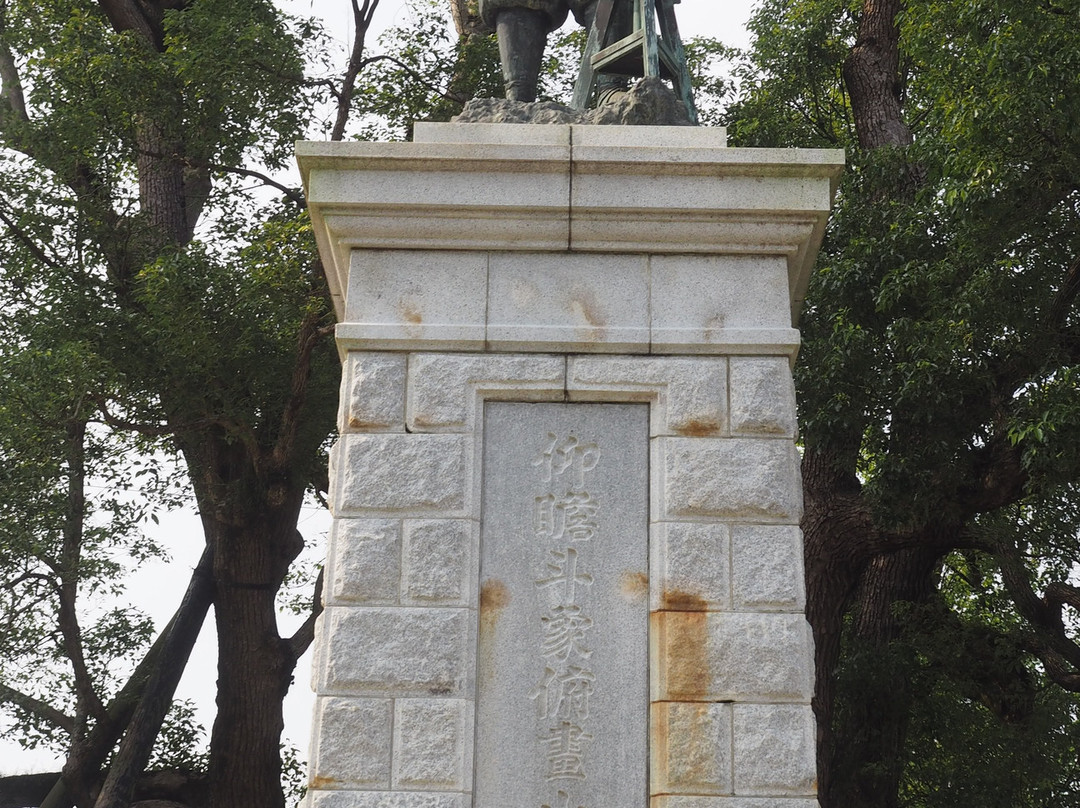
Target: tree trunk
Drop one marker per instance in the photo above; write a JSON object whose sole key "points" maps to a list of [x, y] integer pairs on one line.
{"points": [[868, 763], [255, 540]]}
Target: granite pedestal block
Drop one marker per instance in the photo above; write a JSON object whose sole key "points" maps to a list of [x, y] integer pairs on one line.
{"points": [[566, 568]]}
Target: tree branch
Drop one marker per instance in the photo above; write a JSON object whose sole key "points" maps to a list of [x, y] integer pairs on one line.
{"points": [[300, 641], [311, 334], [41, 709], [361, 22], [292, 194], [88, 700], [33, 246]]}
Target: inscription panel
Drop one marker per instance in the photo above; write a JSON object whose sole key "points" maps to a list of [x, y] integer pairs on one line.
{"points": [[562, 711]]}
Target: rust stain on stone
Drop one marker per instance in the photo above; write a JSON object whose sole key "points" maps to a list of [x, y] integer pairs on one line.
{"points": [[361, 425], [323, 782], [698, 428], [683, 639], [410, 314], [584, 306], [494, 597], [677, 600], [634, 586]]}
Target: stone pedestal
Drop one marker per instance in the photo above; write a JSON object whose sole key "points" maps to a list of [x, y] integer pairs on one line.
{"points": [[565, 569]]}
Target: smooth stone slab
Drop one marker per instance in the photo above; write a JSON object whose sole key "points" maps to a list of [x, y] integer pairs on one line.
{"points": [[562, 714]]}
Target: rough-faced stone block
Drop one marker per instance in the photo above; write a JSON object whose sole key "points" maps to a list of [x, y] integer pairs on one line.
{"points": [[365, 563], [691, 569], [372, 392], [767, 567], [385, 799], [674, 801], [700, 300], [351, 743], [443, 388], [691, 748], [690, 394], [762, 396], [717, 656], [399, 651], [399, 298], [727, 478], [404, 474], [774, 749], [433, 743], [438, 561], [568, 302]]}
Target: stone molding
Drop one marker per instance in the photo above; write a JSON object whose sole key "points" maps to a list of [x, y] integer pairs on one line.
{"points": [[591, 189]]}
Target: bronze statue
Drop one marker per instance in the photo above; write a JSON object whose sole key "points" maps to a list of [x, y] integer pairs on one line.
{"points": [[522, 27]]}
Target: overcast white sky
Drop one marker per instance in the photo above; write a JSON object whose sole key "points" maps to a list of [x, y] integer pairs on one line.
{"points": [[158, 588]]}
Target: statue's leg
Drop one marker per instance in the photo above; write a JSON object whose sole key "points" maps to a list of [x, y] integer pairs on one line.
{"points": [[522, 35]]}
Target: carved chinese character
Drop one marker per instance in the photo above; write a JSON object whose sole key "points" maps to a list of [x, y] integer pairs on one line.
{"points": [[564, 633], [564, 572], [564, 694], [569, 455], [566, 755], [572, 515]]}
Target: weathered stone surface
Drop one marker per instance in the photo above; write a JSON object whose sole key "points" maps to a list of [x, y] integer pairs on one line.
{"points": [[767, 567], [648, 102], [500, 110], [562, 655], [433, 742], [690, 394], [437, 568], [717, 656], [673, 801], [691, 569], [691, 748], [404, 474], [385, 799], [728, 478], [401, 299], [774, 749], [351, 743], [568, 302], [365, 564], [698, 300], [372, 393], [762, 396], [444, 388], [398, 651]]}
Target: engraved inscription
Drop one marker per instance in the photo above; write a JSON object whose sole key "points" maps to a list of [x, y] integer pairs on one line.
{"points": [[562, 700], [564, 521]]}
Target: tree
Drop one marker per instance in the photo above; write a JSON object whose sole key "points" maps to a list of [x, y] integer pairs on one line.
{"points": [[938, 385], [156, 305]]}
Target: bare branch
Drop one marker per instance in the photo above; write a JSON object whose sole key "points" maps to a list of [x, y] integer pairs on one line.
{"points": [[305, 635], [361, 22], [292, 194]]}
